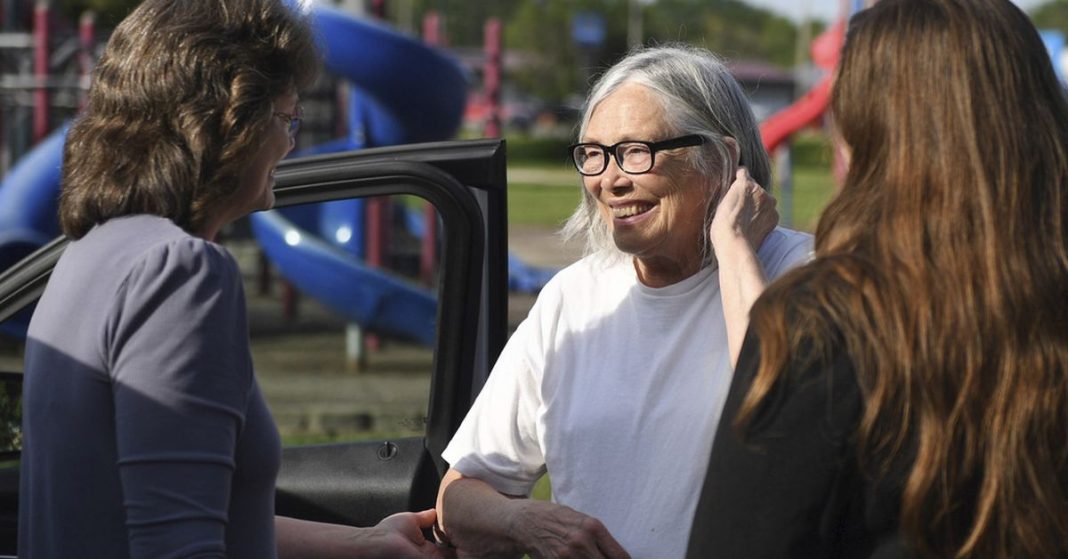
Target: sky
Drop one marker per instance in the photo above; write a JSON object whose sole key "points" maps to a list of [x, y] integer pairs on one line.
{"points": [[830, 9]]}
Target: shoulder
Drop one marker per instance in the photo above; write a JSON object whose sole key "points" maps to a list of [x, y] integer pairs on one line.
{"points": [[166, 248], [188, 256], [584, 282], [137, 240], [151, 254], [592, 266], [576, 295], [816, 386], [814, 314], [580, 274], [784, 249]]}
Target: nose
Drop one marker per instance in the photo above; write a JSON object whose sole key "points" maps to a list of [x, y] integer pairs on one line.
{"points": [[614, 180], [292, 143]]}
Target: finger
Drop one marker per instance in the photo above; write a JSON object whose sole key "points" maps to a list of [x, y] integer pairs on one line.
{"points": [[739, 187], [426, 518], [606, 544], [610, 548], [582, 539], [442, 553]]}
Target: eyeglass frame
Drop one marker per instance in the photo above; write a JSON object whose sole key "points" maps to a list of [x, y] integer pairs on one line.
{"points": [[292, 120], [612, 151]]}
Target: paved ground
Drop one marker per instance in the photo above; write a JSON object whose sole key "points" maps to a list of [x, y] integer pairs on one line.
{"points": [[316, 393], [542, 247]]}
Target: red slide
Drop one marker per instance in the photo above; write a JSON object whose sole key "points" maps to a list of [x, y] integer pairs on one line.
{"points": [[807, 110]]}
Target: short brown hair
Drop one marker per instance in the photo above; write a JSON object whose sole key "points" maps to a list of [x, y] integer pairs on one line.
{"points": [[179, 102]]}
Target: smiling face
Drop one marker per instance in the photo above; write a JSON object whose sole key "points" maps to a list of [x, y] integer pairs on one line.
{"points": [[256, 189], [658, 216], [257, 183]]}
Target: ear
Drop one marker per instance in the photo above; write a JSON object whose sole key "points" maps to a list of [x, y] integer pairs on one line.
{"points": [[735, 153]]}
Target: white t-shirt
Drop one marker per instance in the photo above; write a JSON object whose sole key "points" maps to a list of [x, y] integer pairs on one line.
{"points": [[615, 389]]}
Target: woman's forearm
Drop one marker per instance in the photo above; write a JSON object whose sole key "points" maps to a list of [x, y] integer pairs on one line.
{"points": [[741, 281], [481, 522], [475, 517], [744, 218], [399, 536]]}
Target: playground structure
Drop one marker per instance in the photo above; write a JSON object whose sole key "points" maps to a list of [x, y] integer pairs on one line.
{"points": [[811, 107], [332, 252]]}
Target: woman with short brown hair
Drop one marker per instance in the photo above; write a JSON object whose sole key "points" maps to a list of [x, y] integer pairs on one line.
{"points": [[145, 431]]}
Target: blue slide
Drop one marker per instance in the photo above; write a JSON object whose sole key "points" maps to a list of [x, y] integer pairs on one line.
{"points": [[403, 92], [28, 200], [28, 220]]}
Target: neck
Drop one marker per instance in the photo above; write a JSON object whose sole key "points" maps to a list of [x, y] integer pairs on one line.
{"points": [[208, 232], [662, 272]]}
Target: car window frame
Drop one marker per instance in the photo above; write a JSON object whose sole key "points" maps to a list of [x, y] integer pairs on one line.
{"points": [[466, 181]]}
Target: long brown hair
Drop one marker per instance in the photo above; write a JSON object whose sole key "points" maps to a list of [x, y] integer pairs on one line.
{"points": [[179, 102], [941, 269]]}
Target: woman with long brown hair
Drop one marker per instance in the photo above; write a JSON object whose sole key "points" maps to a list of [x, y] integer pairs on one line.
{"points": [[906, 393]]}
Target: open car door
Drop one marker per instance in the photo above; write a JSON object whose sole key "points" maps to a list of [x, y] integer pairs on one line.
{"points": [[373, 322]]}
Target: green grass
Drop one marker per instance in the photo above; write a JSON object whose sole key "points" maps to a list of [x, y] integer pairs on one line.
{"points": [[813, 188], [543, 490], [541, 205]]}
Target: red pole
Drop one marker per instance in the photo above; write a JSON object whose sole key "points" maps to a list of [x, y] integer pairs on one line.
{"points": [[377, 211], [432, 29], [429, 246], [491, 77], [40, 69], [87, 35], [378, 9]]}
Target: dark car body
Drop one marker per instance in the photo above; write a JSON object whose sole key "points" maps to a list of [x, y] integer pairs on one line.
{"points": [[361, 482]]}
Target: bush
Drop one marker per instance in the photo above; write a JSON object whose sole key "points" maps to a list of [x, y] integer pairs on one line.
{"points": [[529, 150], [811, 149]]}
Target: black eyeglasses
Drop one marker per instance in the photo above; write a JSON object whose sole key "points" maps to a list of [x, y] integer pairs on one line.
{"points": [[633, 157], [292, 120]]}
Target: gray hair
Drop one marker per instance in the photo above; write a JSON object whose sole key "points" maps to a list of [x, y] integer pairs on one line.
{"points": [[699, 96]]}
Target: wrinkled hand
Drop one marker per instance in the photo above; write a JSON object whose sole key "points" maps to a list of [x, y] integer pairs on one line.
{"points": [[554, 531], [400, 536], [745, 211]]}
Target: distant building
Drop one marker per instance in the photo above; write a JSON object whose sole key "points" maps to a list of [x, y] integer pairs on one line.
{"points": [[770, 89]]}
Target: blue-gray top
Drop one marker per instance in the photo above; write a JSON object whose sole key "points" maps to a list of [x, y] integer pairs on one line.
{"points": [[144, 431]]}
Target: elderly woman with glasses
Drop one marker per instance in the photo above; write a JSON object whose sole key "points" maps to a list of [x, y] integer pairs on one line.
{"points": [[614, 383]]}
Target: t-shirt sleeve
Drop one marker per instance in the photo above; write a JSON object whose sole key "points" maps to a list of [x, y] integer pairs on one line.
{"points": [[783, 250], [498, 440], [785, 489], [177, 344]]}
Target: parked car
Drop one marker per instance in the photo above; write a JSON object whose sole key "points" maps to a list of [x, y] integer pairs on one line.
{"points": [[359, 482]]}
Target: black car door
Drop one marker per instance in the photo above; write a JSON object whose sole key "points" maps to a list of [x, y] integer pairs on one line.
{"points": [[341, 462]]}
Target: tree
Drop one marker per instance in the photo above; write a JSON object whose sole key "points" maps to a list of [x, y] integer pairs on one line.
{"points": [[555, 65], [108, 12], [463, 19], [558, 67], [1051, 15], [730, 28]]}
